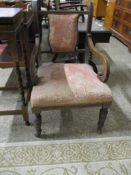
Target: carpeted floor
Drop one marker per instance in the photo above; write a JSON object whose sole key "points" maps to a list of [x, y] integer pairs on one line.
{"points": [[70, 145], [108, 156]]}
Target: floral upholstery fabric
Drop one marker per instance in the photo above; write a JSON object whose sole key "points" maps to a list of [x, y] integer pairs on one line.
{"points": [[63, 32], [68, 85]]}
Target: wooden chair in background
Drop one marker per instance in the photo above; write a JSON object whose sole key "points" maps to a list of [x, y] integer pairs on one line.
{"points": [[11, 53], [17, 36], [76, 5]]}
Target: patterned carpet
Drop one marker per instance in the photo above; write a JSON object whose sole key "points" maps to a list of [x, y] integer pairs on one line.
{"points": [[70, 145], [87, 157]]}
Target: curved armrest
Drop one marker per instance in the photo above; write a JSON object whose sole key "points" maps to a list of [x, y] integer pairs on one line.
{"points": [[102, 58]]}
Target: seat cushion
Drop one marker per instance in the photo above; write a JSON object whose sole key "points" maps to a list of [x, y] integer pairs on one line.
{"points": [[68, 85]]}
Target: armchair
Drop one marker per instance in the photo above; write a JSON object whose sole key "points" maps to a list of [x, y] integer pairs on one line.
{"points": [[62, 85]]}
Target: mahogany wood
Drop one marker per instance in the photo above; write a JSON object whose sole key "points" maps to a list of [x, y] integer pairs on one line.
{"points": [[109, 13], [121, 24], [99, 8]]}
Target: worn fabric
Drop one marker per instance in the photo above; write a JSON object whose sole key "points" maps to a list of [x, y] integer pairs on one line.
{"points": [[63, 32], [68, 85]]}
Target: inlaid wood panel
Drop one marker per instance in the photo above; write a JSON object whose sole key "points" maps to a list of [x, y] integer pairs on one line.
{"points": [[126, 31], [99, 8], [127, 17], [109, 13], [116, 25], [121, 23]]}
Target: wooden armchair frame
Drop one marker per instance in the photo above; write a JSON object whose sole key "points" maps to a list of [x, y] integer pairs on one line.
{"points": [[103, 76]]}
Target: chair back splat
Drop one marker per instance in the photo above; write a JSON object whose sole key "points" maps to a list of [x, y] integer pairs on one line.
{"points": [[62, 85], [63, 39]]}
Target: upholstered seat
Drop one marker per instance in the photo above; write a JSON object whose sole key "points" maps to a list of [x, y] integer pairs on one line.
{"points": [[68, 85]]}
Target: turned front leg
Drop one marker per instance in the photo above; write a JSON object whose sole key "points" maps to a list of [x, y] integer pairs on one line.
{"points": [[102, 118], [38, 122]]}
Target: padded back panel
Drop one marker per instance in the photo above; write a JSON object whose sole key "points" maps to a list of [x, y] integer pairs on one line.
{"points": [[63, 32]]}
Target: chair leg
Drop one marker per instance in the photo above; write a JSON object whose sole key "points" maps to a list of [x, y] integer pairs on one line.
{"points": [[83, 18], [26, 115], [27, 74], [38, 122], [37, 62], [54, 58], [21, 89], [102, 118], [20, 83]]}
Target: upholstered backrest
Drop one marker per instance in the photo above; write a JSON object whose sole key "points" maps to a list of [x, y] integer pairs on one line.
{"points": [[63, 32]]}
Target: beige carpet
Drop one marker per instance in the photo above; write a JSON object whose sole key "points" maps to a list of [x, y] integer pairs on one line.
{"points": [[70, 145], [74, 157]]}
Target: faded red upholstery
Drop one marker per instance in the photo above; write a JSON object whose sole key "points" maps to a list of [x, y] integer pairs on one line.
{"points": [[2, 48], [63, 33], [68, 85], [5, 53], [6, 57]]}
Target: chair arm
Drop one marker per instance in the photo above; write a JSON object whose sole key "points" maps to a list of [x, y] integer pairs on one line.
{"points": [[102, 58]]}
